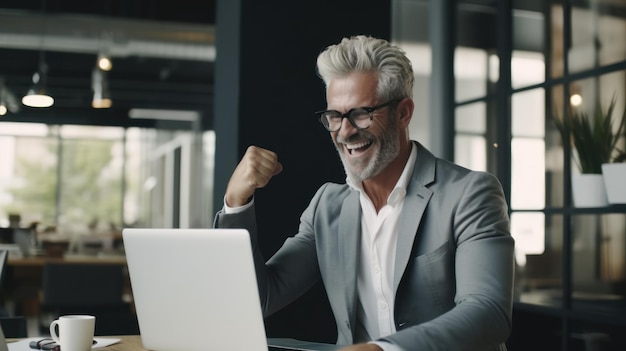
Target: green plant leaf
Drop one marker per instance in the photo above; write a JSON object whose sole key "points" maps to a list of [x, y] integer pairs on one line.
{"points": [[593, 138]]}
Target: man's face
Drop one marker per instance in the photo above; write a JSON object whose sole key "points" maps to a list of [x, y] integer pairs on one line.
{"points": [[364, 153]]}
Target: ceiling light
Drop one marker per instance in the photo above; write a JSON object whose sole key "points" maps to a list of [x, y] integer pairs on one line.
{"points": [[37, 96], [104, 62], [100, 86], [8, 102], [576, 100], [3, 102]]}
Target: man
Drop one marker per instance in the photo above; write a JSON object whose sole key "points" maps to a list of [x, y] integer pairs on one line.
{"points": [[414, 252]]}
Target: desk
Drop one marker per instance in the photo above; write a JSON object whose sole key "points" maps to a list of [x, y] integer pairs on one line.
{"points": [[22, 283], [133, 343], [127, 343]]}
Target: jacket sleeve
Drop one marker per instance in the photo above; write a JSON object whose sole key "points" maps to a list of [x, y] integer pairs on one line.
{"points": [[289, 273]]}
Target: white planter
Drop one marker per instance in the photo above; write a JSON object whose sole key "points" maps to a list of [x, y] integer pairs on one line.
{"points": [[588, 190], [615, 182]]}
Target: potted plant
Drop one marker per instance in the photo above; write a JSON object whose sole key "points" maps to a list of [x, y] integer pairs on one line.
{"points": [[614, 173], [595, 143]]}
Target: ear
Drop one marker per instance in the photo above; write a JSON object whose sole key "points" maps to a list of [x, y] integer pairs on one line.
{"points": [[405, 111]]}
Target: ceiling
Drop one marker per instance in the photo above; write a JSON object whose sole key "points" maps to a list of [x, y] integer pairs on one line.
{"points": [[162, 52]]}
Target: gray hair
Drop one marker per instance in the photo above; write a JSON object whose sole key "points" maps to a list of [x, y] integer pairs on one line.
{"points": [[367, 54]]}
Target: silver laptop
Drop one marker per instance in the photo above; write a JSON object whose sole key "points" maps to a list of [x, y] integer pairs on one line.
{"points": [[3, 341], [195, 290]]}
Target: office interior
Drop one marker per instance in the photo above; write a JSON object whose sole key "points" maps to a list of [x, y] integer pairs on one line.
{"points": [[193, 84]]}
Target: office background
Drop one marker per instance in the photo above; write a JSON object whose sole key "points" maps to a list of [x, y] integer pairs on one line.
{"points": [[194, 83]]}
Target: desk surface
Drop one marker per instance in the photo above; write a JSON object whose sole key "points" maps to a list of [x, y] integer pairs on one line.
{"points": [[133, 343], [127, 343]]}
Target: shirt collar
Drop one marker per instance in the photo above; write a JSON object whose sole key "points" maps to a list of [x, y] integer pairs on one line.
{"points": [[399, 191]]}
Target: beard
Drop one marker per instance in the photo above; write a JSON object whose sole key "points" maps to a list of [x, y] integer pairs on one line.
{"points": [[387, 149]]}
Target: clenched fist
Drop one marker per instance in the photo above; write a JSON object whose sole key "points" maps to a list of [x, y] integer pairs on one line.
{"points": [[254, 171]]}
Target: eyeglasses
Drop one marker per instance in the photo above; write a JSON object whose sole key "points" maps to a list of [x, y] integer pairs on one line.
{"points": [[359, 117]]}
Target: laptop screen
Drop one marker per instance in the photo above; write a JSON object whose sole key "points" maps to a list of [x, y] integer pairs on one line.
{"points": [[193, 288]]}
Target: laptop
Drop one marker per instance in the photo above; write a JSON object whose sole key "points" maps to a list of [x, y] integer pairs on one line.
{"points": [[3, 341], [195, 290]]}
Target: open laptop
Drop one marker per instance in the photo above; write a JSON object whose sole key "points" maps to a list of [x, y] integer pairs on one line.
{"points": [[3, 341], [195, 290]]}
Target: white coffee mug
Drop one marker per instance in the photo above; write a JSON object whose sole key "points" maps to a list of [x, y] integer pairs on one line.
{"points": [[75, 332]]}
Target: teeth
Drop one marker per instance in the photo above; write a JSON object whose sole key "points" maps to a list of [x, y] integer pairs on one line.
{"points": [[352, 147], [356, 146]]}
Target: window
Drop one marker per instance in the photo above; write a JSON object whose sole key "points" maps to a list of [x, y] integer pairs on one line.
{"points": [[517, 66], [75, 180]]}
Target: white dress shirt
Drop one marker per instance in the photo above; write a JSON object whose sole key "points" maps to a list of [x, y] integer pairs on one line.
{"points": [[379, 236]]}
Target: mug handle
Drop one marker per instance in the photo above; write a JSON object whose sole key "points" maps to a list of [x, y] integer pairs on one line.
{"points": [[53, 331]]}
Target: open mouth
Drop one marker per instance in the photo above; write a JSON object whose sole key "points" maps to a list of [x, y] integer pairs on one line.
{"points": [[358, 148]]}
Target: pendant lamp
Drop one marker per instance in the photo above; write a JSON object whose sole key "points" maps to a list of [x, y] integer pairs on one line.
{"points": [[37, 96], [100, 86], [3, 101]]}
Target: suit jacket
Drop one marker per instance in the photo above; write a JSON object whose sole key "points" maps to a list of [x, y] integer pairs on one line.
{"points": [[454, 262]]}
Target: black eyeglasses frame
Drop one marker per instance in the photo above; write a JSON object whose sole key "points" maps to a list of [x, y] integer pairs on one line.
{"points": [[368, 109]]}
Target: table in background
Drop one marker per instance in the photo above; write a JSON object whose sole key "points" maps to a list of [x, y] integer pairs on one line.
{"points": [[23, 276]]}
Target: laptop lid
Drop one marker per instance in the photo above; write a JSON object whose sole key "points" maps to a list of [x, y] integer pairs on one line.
{"points": [[195, 289], [3, 341]]}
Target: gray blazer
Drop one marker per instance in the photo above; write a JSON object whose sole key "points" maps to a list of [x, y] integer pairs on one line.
{"points": [[454, 263]]}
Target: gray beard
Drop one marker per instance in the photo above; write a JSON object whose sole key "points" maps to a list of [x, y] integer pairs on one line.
{"points": [[388, 150]]}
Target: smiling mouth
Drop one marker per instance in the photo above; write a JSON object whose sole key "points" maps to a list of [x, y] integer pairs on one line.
{"points": [[357, 148]]}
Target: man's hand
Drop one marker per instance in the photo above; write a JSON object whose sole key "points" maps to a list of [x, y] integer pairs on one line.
{"points": [[361, 347], [255, 170]]}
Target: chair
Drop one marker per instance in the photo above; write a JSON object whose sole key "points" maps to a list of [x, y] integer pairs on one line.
{"points": [[12, 326], [88, 288], [4, 255], [6, 235]]}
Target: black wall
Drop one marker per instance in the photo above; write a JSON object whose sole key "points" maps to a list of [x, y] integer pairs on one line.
{"points": [[266, 93]]}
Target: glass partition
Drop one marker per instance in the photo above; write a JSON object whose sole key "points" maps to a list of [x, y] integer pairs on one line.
{"points": [[74, 181], [539, 256], [598, 30]]}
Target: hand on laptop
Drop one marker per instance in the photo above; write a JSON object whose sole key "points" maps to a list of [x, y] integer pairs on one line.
{"points": [[255, 170]]}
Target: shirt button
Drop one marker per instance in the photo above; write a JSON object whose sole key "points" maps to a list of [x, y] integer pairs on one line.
{"points": [[376, 269]]}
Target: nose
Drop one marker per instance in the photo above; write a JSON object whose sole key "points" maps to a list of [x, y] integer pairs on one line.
{"points": [[346, 129]]}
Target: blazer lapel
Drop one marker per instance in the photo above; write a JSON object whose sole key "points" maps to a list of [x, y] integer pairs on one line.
{"points": [[415, 202], [350, 241]]}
